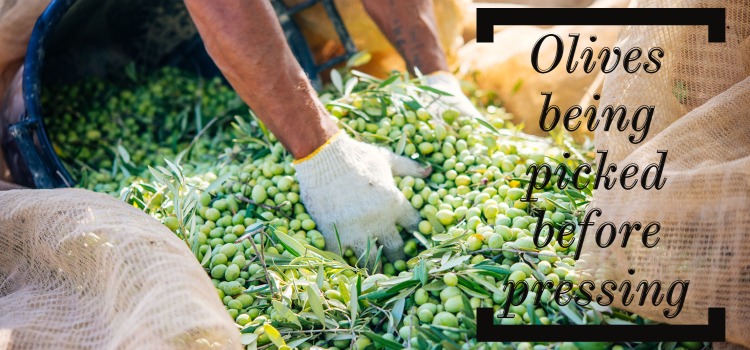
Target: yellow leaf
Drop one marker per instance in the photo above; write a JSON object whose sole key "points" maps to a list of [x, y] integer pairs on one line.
{"points": [[274, 335]]}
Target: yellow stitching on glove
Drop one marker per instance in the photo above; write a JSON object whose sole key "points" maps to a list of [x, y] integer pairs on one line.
{"points": [[316, 151]]}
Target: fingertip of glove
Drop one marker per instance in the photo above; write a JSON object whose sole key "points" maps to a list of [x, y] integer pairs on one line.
{"points": [[405, 166], [409, 218], [423, 171], [395, 255], [427, 170]]}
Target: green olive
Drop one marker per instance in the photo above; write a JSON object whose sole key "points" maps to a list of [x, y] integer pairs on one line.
{"points": [[232, 272], [171, 222], [445, 319], [218, 271], [454, 304], [421, 296], [449, 292], [213, 214], [450, 279]]}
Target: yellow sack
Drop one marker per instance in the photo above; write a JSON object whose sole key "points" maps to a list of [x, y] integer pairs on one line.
{"points": [[324, 42], [470, 22], [503, 66]]}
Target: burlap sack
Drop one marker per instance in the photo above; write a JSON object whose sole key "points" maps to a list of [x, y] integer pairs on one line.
{"points": [[81, 270], [17, 18], [702, 98], [503, 66], [324, 42]]}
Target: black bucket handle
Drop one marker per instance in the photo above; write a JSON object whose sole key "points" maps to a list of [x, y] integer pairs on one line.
{"points": [[299, 45]]}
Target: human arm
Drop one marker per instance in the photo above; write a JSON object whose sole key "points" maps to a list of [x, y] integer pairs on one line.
{"points": [[245, 41], [411, 27], [346, 185]]}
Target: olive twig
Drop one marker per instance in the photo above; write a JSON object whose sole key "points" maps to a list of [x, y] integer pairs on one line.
{"points": [[276, 209], [260, 256]]}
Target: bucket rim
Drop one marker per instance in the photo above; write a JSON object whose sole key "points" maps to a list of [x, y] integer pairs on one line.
{"points": [[32, 85]]}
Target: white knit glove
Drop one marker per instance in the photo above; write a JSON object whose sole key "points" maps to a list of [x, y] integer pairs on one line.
{"points": [[350, 184], [446, 82]]}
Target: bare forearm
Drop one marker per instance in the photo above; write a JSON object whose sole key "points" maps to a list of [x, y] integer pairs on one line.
{"points": [[410, 26], [245, 40]]}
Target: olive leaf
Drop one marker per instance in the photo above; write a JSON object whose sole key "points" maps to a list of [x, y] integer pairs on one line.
{"points": [[354, 299], [359, 59], [350, 108], [394, 290], [435, 286], [572, 314], [437, 226], [484, 283], [206, 258], [494, 271], [313, 297], [337, 81], [388, 344], [293, 344], [290, 244], [401, 144], [365, 76], [471, 288], [468, 310], [455, 261], [320, 279], [398, 310], [350, 85], [420, 273], [389, 80], [286, 313], [434, 90], [248, 338], [532, 315], [487, 124]]}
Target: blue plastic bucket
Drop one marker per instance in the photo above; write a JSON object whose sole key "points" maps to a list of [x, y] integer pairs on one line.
{"points": [[74, 39]]}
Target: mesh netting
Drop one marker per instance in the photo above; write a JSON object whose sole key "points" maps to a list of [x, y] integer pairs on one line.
{"points": [[82, 270], [701, 97]]}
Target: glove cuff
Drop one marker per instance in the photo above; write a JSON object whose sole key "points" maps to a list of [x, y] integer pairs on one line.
{"points": [[319, 149]]}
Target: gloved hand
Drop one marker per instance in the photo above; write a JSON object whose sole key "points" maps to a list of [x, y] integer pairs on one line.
{"points": [[446, 82], [350, 184]]}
